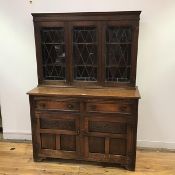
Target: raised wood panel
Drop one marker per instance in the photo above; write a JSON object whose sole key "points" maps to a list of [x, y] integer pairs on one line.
{"points": [[68, 142], [106, 135], [58, 124], [107, 127], [48, 141], [119, 159], [55, 115], [117, 146], [96, 144]]}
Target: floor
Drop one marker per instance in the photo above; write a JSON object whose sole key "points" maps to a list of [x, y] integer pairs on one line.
{"points": [[16, 159]]}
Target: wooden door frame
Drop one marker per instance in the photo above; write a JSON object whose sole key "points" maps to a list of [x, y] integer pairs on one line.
{"points": [[106, 157], [58, 153]]}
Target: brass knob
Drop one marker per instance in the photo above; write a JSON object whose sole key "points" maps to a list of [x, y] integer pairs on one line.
{"points": [[69, 106], [123, 108], [78, 132]]}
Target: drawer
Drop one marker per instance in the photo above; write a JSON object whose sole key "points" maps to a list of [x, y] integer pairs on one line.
{"points": [[119, 106], [53, 104]]}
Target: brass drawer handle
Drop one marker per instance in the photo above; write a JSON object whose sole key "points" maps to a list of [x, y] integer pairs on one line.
{"points": [[70, 106], [78, 132], [123, 108]]}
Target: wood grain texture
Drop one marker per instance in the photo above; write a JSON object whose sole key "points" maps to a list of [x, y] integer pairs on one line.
{"points": [[76, 112], [101, 21], [86, 92], [83, 134], [16, 159]]}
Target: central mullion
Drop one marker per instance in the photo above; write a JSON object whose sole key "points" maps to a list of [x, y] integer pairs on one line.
{"points": [[102, 52], [69, 53]]}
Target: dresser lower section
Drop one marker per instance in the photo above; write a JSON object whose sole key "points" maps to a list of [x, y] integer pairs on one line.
{"points": [[91, 129]]}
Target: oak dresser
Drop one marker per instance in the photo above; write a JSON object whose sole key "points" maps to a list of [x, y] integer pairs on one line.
{"points": [[86, 104]]}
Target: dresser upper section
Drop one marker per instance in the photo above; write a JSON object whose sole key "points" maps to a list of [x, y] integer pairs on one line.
{"points": [[87, 49]]}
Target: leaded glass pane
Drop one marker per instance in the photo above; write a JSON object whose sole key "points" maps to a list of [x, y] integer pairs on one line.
{"points": [[118, 54], [85, 53], [53, 53]]}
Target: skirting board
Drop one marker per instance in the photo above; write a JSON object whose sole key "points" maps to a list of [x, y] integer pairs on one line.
{"points": [[156, 144], [140, 143], [17, 136]]}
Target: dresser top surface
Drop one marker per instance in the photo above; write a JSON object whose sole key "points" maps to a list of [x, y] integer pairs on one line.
{"points": [[86, 92]]}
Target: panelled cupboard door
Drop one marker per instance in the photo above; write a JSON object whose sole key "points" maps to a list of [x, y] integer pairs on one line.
{"points": [[106, 139], [119, 52], [85, 52], [51, 51], [59, 135]]}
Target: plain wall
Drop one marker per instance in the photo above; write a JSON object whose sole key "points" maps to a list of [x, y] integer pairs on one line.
{"points": [[155, 69]]}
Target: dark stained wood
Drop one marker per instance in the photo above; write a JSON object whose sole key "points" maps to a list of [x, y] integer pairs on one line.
{"points": [[107, 127], [109, 106], [48, 141], [107, 146], [56, 131], [107, 134], [82, 119], [57, 105], [57, 154], [117, 146], [93, 16], [101, 21], [96, 144], [58, 143], [68, 142], [19, 162], [57, 124]]}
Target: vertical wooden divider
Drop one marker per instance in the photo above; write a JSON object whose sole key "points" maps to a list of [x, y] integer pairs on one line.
{"points": [[78, 139], [107, 147], [38, 132], [86, 144], [81, 128], [58, 143]]}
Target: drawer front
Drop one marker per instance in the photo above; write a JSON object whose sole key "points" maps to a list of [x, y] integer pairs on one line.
{"points": [[53, 104], [110, 106]]}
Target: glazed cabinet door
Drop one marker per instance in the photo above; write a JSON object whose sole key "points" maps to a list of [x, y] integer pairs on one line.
{"points": [[58, 134], [85, 51], [119, 52], [51, 51]]}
